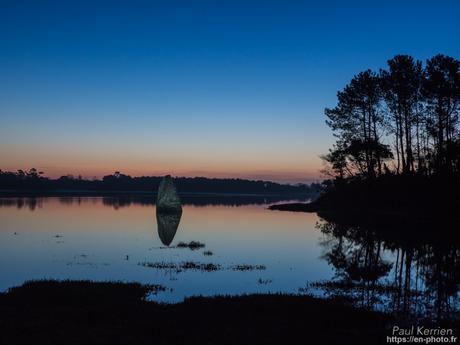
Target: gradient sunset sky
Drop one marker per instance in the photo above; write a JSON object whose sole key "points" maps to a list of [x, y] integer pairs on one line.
{"points": [[208, 88]]}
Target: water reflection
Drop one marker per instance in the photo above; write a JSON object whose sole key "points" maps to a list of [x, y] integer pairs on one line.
{"points": [[376, 267], [30, 203], [122, 201], [105, 238], [398, 267], [167, 223]]}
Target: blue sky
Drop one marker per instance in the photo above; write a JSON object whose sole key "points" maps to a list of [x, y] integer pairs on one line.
{"points": [[214, 88]]}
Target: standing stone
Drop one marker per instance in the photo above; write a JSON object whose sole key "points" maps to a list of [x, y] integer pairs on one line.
{"points": [[167, 199]]}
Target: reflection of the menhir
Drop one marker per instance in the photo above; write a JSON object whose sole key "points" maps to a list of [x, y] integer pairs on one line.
{"points": [[406, 275], [168, 222]]}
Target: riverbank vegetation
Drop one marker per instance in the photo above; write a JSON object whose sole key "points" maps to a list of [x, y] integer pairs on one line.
{"points": [[84, 312]]}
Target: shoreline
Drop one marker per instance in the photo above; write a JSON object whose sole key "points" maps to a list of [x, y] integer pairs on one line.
{"points": [[86, 312], [295, 207], [408, 226]]}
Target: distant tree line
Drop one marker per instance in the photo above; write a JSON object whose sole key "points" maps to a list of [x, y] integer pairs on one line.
{"points": [[402, 120], [34, 180]]}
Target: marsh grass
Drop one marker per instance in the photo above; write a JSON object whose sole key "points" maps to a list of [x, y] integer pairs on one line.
{"points": [[261, 281], [193, 245], [101, 313], [82, 291], [183, 266], [245, 267], [198, 266], [208, 267]]}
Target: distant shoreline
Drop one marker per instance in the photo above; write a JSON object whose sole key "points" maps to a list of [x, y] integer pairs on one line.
{"points": [[76, 192], [33, 182]]}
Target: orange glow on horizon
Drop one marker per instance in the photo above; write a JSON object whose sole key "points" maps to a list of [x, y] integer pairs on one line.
{"points": [[276, 176], [279, 163], [291, 174]]}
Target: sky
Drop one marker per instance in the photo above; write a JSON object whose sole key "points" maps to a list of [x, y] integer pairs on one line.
{"points": [[194, 88]]}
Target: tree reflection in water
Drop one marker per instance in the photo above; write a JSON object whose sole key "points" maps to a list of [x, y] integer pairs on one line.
{"points": [[397, 269]]}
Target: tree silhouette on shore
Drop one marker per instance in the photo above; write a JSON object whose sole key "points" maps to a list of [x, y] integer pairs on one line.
{"points": [[34, 181], [401, 120]]}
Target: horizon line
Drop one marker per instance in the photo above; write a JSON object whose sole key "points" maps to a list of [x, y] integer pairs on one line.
{"points": [[278, 178]]}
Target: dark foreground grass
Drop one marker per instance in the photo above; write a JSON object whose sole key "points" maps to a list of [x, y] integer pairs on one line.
{"points": [[83, 312]]}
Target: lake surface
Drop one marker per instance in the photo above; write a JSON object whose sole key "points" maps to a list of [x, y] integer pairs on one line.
{"points": [[247, 249], [114, 238]]}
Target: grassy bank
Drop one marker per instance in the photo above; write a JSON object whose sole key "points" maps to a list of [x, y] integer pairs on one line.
{"points": [[83, 312]]}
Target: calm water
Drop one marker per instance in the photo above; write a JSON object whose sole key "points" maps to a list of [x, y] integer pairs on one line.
{"points": [[120, 238], [106, 238]]}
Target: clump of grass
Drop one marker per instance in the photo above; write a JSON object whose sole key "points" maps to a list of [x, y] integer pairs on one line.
{"points": [[193, 245], [82, 292], [264, 281], [190, 265], [345, 286], [92, 264], [183, 266], [245, 267], [199, 266], [306, 291], [208, 253], [159, 265]]}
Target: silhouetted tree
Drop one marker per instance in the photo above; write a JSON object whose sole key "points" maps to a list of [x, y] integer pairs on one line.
{"points": [[32, 180], [413, 107], [441, 89], [401, 86], [357, 123]]}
